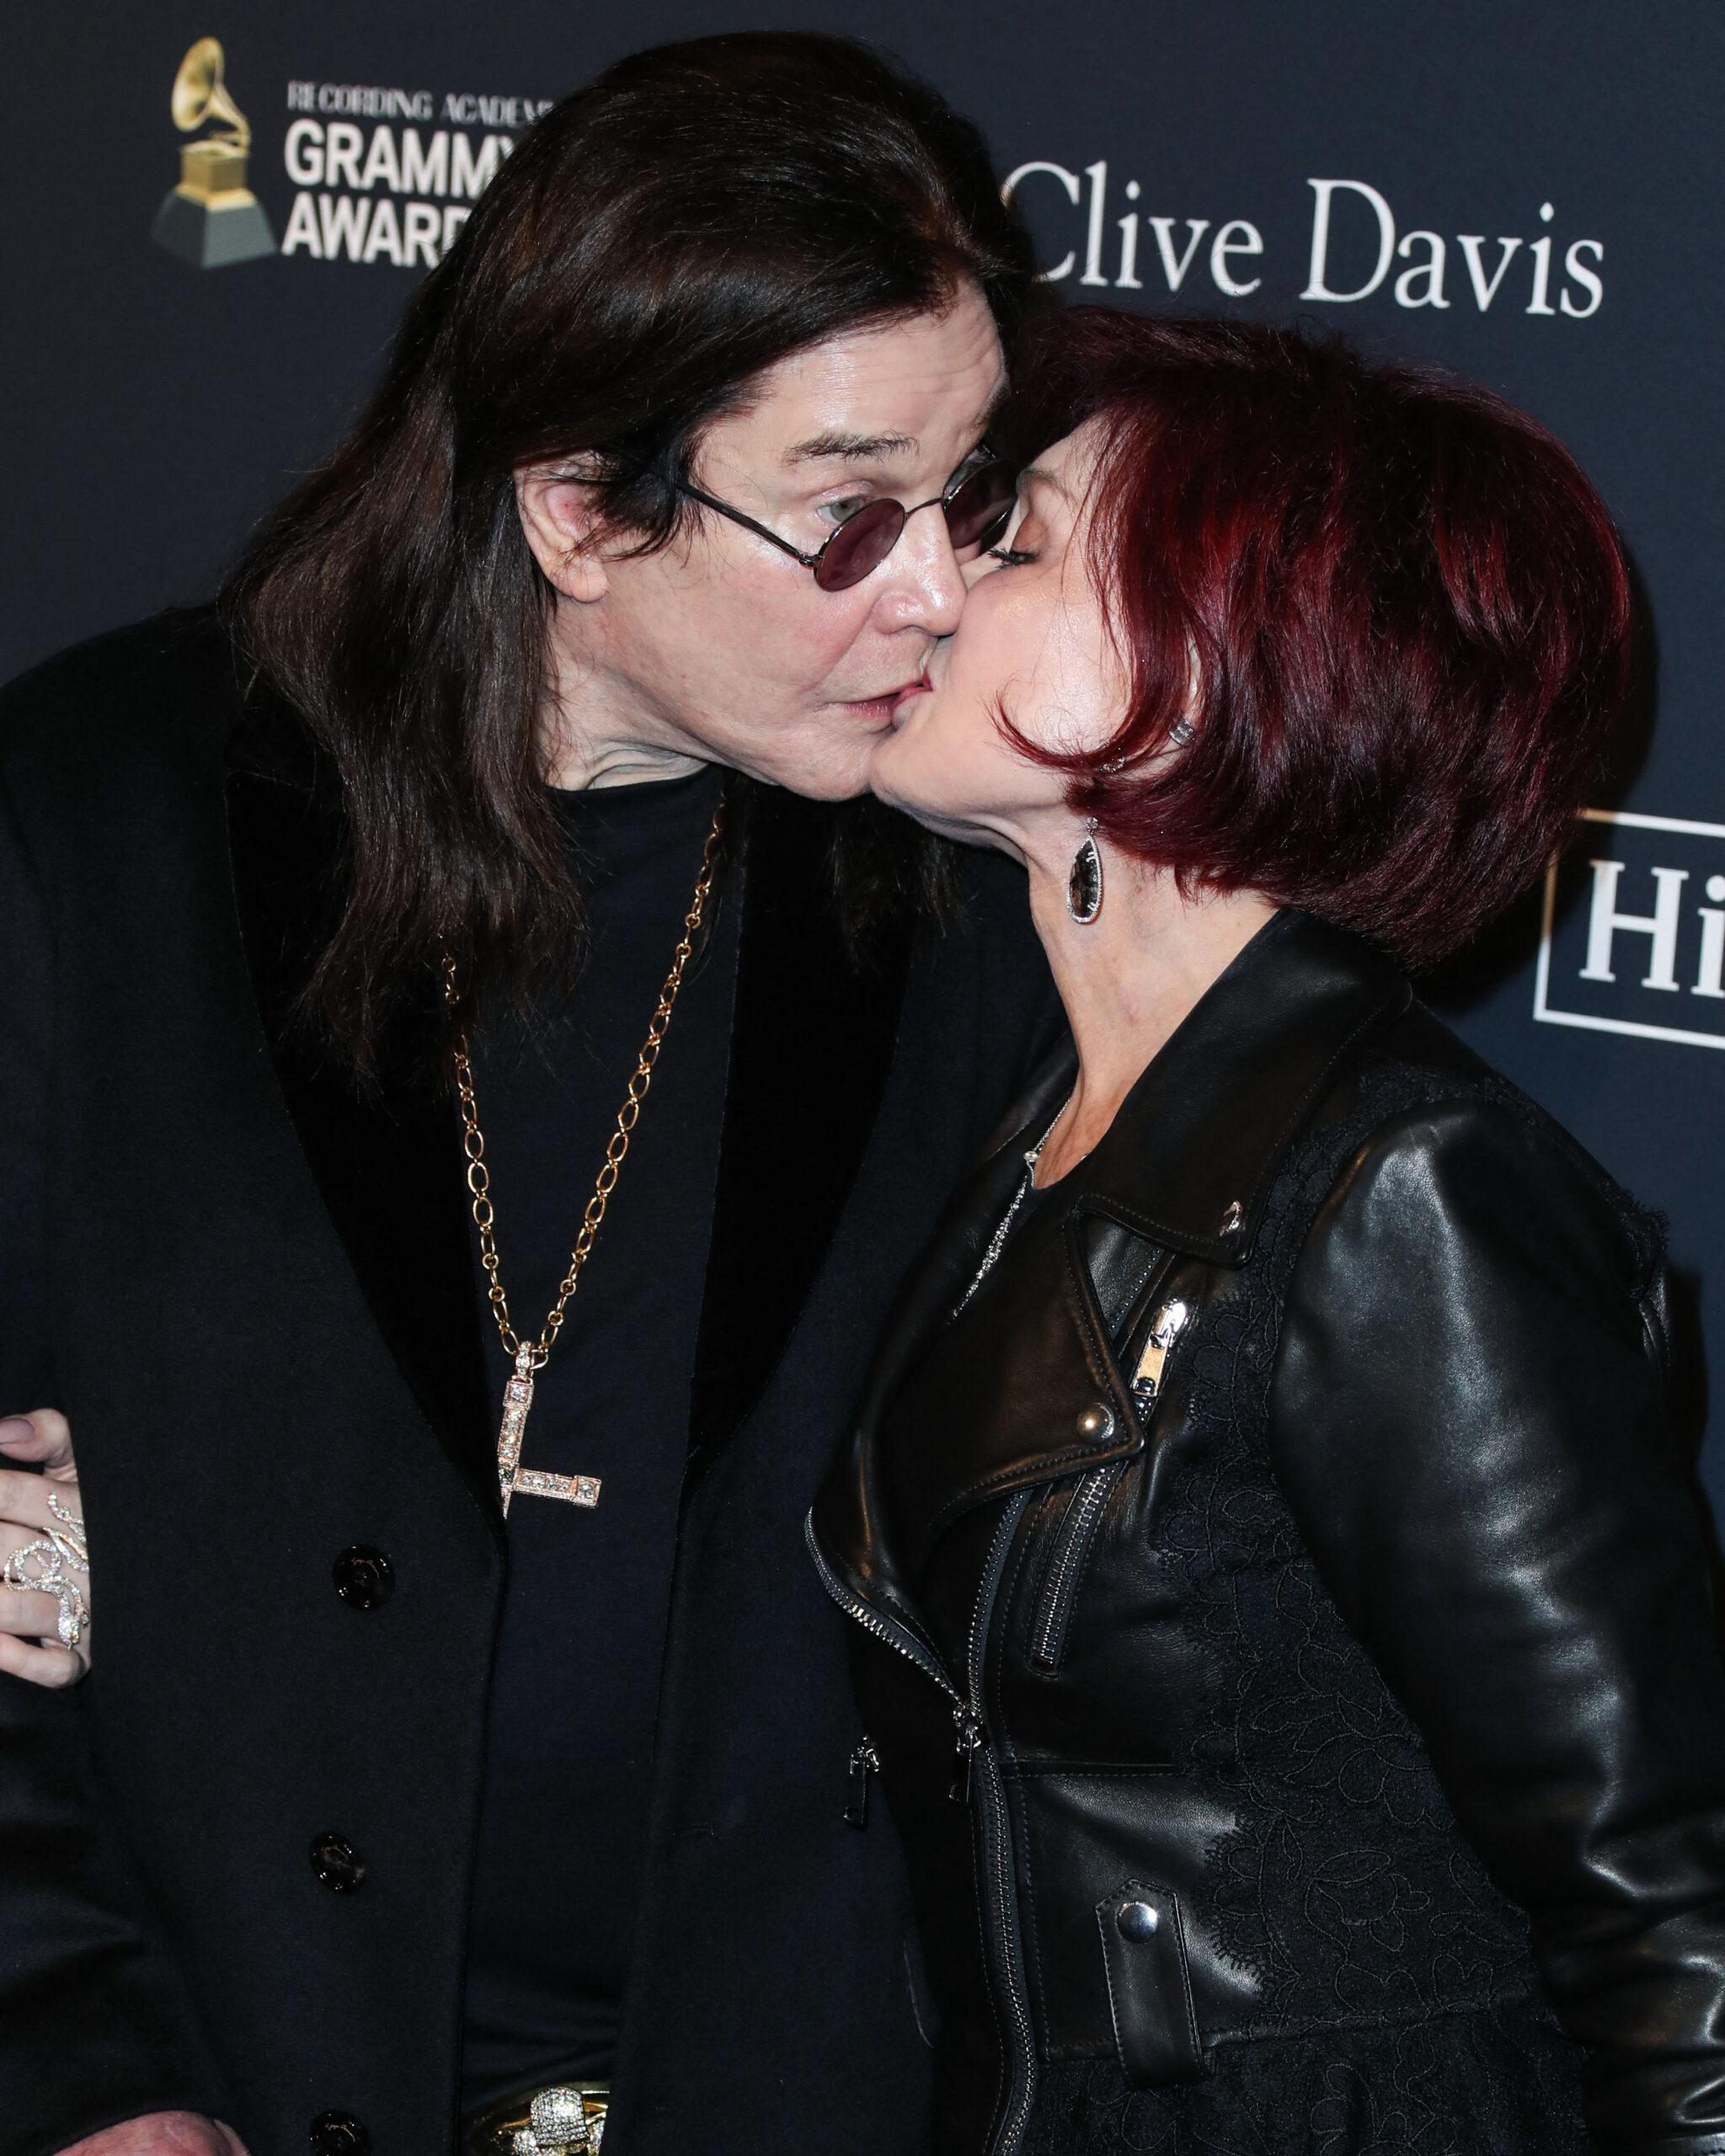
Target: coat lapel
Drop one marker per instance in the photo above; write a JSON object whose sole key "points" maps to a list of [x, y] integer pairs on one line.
{"points": [[813, 1035], [387, 1162]]}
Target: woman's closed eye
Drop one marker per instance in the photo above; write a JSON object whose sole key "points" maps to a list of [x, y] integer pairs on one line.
{"points": [[1018, 540]]}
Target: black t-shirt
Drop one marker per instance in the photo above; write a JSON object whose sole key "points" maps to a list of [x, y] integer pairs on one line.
{"points": [[574, 1693]]}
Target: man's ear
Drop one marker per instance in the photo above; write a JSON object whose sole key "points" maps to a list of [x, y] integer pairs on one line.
{"points": [[564, 527]]}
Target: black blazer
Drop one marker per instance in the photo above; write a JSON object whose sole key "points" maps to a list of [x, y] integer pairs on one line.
{"points": [[1290, 1535], [254, 1296]]}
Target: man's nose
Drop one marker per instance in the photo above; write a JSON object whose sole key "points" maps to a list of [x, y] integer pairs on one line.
{"points": [[927, 588]]}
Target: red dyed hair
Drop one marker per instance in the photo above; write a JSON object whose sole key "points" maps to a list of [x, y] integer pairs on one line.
{"points": [[1407, 605]]}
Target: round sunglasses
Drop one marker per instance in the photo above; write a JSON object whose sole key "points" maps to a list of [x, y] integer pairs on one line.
{"points": [[978, 509]]}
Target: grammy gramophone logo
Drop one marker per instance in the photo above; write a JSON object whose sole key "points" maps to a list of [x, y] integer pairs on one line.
{"points": [[212, 217]]}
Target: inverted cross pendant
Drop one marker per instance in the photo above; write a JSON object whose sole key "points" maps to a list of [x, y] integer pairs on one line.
{"points": [[532, 1482]]}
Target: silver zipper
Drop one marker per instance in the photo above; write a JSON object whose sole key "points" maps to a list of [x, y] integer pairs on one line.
{"points": [[967, 1716], [1094, 1491], [865, 1761], [973, 1754], [997, 1833], [1092, 1494], [895, 1635], [1165, 1329], [1006, 1936], [984, 1610]]}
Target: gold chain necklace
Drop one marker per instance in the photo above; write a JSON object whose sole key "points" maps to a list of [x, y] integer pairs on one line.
{"points": [[530, 1355]]}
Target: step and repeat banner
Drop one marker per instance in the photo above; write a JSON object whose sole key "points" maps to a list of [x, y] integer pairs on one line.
{"points": [[215, 211]]}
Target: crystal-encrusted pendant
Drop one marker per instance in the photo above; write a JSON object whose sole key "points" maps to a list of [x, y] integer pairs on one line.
{"points": [[517, 1399], [1084, 884], [513, 1480]]}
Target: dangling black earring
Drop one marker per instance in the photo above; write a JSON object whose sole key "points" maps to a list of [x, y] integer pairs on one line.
{"points": [[1084, 883]]}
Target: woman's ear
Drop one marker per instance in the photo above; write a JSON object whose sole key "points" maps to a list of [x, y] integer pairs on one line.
{"points": [[561, 518]]}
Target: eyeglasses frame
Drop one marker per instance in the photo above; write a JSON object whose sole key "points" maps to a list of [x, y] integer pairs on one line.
{"points": [[812, 561]]}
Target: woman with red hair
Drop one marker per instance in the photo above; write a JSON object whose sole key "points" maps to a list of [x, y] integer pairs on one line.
{"points": [[1263, 1518]]}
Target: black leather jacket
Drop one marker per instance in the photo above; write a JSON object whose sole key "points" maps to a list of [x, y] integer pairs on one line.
{"points": [[1286, 1553]]}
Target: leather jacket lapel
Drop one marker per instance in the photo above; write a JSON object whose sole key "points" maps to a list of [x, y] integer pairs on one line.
{"points": [[387, 1162], [1028, 1432], [1022, 1388], [813, 1035]]}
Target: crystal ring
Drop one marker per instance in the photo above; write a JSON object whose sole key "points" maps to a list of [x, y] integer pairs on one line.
{"points": [[47, 1567], [562, 2122]]}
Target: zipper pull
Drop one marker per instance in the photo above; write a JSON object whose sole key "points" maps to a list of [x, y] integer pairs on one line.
{"points": [[865, 1761], [1165, 1328], [971, 1738]]}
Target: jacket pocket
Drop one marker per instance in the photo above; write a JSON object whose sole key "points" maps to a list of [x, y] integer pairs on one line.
{"points": [[1150, 1985]]}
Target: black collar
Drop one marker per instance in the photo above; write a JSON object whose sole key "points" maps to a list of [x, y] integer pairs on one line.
{"points": [[1202, 1130], [813, 1036]]}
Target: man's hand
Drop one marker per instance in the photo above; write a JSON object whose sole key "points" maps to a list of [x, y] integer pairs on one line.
{"points": [[162, 2133], [29, 1648], [34, 1506]]}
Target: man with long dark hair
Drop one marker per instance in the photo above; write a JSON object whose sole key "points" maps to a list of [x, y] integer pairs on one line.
{"points": [[463, 1120]]}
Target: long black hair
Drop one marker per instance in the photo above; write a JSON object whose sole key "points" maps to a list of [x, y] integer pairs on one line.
{"points": [[694, 215]]}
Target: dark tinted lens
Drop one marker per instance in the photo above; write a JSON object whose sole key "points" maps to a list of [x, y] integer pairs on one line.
{"points": [[980, 509], [860, 545]]}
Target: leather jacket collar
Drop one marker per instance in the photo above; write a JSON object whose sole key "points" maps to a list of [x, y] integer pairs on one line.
{"points": [[1199, 1136], [1201, 1132]]}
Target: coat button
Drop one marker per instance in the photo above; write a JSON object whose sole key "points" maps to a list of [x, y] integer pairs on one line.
{"points": [[364, 1579], [1138, 1920], [339, 2133], [1096, 1423], [336, 1864]]}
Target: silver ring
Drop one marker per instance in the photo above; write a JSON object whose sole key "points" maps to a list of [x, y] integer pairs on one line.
{"points": [[73, 1524], [47, 1566]]}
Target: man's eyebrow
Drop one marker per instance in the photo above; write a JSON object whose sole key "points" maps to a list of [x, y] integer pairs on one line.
{"points": [[856, 448], [869, 449]]}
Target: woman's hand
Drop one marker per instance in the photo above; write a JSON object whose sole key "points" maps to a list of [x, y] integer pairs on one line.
{"points": [[44, 1633]]}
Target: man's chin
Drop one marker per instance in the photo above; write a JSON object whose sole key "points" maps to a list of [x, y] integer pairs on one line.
{"points": [[826, 777]]}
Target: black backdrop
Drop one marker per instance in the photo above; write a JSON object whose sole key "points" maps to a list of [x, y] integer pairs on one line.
{"points": [[1526, 190]]}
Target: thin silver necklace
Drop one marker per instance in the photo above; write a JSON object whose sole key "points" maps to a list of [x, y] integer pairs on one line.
{"points": [[997, 1242]]}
